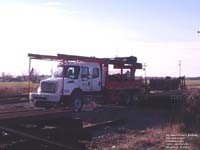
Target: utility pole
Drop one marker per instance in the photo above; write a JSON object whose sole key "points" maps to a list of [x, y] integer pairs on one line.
{"points": [[179, 63], [145, 73]]}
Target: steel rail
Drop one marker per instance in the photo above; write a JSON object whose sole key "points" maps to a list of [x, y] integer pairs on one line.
{"points": [[13, 96], [105, 123], [18, 110], [32, 137], [12, 101], [30, 113]]}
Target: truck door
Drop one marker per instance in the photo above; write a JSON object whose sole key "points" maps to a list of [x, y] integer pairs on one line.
{"points": [[85, 82], [96, 79]]}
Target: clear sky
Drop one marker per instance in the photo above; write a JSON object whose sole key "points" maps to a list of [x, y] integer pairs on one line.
{"points": [[158, 32]]}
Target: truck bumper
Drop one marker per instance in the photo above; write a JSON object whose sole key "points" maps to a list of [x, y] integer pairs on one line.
{"points": [[44, 97]]}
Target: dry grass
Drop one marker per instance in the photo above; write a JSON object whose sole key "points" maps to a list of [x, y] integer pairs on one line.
{"points": [[150, 138], [10, 88], [191, 111], [22, 87], [193, 83]]}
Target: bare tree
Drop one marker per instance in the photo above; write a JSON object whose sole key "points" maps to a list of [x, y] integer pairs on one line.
{"points": [[3, 76], [6, 77]]}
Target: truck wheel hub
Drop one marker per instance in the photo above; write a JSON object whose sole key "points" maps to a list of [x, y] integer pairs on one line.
{"points": [[77, 103]]}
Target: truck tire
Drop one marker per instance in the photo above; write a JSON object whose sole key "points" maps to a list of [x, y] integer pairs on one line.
{"points": [[76, 100]]}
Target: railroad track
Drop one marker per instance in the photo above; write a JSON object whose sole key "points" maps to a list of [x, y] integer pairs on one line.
{"points": [[53, 128], [13, 99], [13, 96], [16, 124]]}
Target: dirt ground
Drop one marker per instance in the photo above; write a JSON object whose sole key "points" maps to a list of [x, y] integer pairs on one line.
{"points": [[145, 129]]}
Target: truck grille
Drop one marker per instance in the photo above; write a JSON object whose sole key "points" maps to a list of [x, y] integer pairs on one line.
{"points": [[48, 87]]}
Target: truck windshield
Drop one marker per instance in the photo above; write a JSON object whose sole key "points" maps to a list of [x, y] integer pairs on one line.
{"points": [[71, 72]]}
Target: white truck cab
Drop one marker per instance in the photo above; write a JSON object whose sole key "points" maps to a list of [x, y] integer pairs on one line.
{"points": [[68, 83]]}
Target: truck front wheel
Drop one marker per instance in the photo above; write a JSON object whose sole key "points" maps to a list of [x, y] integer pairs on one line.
{"points": [[76, 100]]}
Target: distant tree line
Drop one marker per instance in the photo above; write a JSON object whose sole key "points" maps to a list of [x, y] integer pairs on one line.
{"points": [[5, 77], [34, 77]]}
